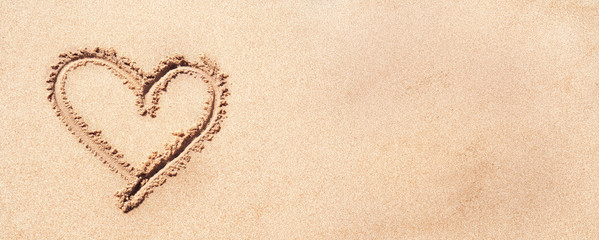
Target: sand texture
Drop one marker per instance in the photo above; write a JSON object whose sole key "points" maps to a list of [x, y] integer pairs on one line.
{"points": [[299, 120]]}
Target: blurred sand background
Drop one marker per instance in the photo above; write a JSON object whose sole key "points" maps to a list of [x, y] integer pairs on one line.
{"points": [[347, 119]]}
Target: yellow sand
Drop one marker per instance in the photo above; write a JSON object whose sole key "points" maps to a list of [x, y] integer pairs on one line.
{"points": [[384, 120]]}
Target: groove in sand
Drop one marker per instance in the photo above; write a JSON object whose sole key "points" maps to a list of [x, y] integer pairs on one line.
{"points": [[148, 87]]}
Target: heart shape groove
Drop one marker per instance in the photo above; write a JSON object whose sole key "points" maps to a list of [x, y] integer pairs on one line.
{"points": [[148, 87]]}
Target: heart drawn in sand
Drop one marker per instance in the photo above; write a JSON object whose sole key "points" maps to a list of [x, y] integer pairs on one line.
{"points": [[148, 88]]}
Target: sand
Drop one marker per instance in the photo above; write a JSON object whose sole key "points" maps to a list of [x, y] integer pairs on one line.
{"points": [[318, 120]]}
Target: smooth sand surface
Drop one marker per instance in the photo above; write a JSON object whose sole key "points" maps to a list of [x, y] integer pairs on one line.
{"points": [[345, 120]]}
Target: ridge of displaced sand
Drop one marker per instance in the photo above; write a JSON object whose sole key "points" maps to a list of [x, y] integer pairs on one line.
{"points": [[147, 87]]}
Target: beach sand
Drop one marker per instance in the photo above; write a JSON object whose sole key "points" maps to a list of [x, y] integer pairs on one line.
{"points": [[307, 120]]}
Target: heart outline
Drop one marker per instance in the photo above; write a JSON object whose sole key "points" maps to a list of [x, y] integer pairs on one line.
{"points": [[153, 171]]}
